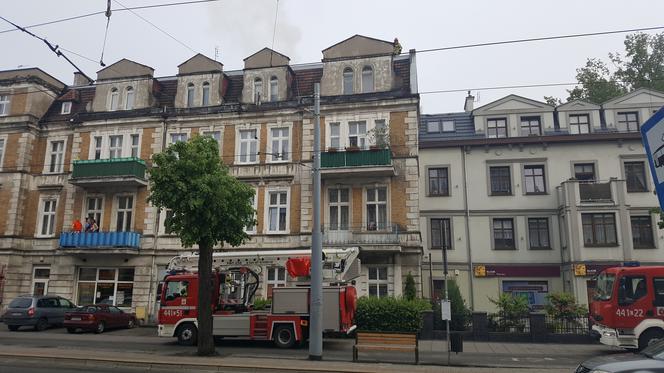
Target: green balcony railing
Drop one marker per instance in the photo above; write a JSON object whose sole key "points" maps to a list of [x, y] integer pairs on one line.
{"points": [[376, 157], [115, 167]]}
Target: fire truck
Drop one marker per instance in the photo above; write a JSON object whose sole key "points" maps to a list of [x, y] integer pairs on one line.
{"points": [[627, 309], [236, 279]]}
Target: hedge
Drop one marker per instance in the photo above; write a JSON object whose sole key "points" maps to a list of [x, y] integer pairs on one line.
{"points": [[390, 314]]}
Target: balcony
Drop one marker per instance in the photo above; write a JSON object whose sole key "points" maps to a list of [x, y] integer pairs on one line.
{"points": [[375, 161], [589, 193], [109, 172], [595, 192], [100, 240], [365, 235]]}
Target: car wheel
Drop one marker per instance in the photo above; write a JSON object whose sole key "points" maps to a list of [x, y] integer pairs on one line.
{"points": [[649, 337], [101, 326], [131, 323], [187, 334], [71, 330], [13, 328], [284, 336], [42, 324]]}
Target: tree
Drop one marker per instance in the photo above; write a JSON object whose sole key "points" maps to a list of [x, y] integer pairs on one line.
{"points": [[563, 306], [460, 312], [597, 83], [410, 291], [553, 101], [209, 207]]}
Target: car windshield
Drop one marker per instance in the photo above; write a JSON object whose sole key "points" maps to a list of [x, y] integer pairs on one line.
{"points": [[21, 303], [604, 286], [655, 350]]}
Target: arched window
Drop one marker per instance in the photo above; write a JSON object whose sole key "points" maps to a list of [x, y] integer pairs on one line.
{"points": [[206, 94], [190, 95], [274, 88], [258, 90], [114, 99], [348, 81], [367, 79], [129, 98]]}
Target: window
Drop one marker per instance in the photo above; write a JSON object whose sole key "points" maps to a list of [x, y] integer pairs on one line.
{"points": [[280, 144], [56, 156], [599, 229], [642, 236], [97, 141], [503, 234], [357, 134], [367, 79], [206, 94], [501, 180], [376, 208], [579, 123], [441, 233], [2, 152], [214, 134], [135, 146], [534, 291], [433, 126], [348, 81], [339, 204], [47, 221], [129, 98], [274, 89], [531, 126], [175, 137], [115, 147], [438, 182], [276, 278], [95, 209], [4, 104], [335, 135], [496, 127], [378, 282], [584, 171], [254, 202], [114, 99], [111, 286], [248, 146], [176, 289], [628, 121], [125, 208], [258, 90], [277, 211], [658, 285], [65, 108], [632, 288], [534, 179], [191, 91], [448, 126], [40, 277], [635, 175], [538, 233]]}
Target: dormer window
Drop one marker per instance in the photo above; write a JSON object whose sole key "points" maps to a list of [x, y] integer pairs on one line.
{"points": [[190, 95], [206, 94], [129, 98], [367, 79], [65, 108], [274, 89], [531, 126], [114, 99], [348, 81], [4, 104], [258, 90]]}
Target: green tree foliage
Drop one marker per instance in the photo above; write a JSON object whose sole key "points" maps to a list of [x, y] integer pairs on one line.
{"points": [[209, 207], [460, 312], [410, 291], [563, 306], [390, 314], [261, 304], [598, 84], [510, 306]]}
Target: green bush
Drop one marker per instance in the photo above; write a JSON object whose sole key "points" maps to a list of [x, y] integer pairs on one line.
{"points": [[563, 306], [261, 304], [410, 291], [510, 306], [461, 314], [390, 314]]}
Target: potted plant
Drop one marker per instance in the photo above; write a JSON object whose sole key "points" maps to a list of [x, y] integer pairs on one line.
{"points": [[353, 148], [331, 150], [379, 137]]}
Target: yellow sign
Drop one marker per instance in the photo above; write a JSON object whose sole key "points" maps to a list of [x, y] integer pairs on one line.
{"points": [[579, 269], [480, 271]]}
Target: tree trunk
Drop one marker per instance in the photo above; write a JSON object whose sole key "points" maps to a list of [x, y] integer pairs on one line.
{"points": [[205, 339]]}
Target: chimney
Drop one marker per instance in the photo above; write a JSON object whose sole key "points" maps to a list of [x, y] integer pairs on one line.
{"points": [[80, 79], [468, 105]]}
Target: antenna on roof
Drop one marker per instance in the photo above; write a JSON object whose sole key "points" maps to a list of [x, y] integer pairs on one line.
{"points": [[108, 20]]}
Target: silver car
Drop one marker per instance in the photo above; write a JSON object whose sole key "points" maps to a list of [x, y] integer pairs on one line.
{"points": [[649, 360], [39, 312]]}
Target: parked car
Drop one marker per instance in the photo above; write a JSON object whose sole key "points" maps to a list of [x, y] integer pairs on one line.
{"points": [[650, 359], [98, 318], [39, 311]]}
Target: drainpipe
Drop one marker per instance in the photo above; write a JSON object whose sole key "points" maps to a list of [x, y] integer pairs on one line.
{"points": [[467, 221]]}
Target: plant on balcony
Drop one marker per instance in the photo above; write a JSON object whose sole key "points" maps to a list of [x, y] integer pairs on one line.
{"points": [[353, 148], [209, 207], [379, 136], [332, 150]]}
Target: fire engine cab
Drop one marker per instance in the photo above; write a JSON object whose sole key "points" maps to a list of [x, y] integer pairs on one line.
{"points": [[236, 279], [627, 309]]}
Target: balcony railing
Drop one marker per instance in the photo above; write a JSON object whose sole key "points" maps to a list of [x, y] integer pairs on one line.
{"points": [[370, 234], [99, 240], [374, 157], [595, 192], [115, 168]]}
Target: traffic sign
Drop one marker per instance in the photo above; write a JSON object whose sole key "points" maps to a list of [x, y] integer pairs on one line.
{"points": [[652, 134]]}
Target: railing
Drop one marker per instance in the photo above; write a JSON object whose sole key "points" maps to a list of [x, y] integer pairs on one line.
{"points": [[572, 325], [115, 167], [595, 192], [508, 324], [377, 157], [366, 234], [100, 240]]}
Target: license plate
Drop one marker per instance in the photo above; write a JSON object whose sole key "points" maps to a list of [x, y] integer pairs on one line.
{"points": [[16, 314], [75, 319]]}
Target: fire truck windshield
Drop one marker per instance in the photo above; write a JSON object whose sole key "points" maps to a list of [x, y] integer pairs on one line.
{"points": [[604, 286], [175, 289]]}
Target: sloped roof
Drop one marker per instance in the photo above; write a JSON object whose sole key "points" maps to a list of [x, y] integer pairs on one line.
{"points": [[639, 97], [358, 46], [199, 63], [124, 69], [266, 57]]}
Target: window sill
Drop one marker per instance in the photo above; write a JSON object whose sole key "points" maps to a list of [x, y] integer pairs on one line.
{"points": [[45, 236], [438, 195], [541, 248], [238, 163], [504, 249], [441, 249], [536, 194], [645, 248], [277, 233], [601, 245], [501, 194]]}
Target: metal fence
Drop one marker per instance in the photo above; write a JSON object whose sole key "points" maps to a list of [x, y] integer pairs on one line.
{"points": [[508, 324], [576, 325]]}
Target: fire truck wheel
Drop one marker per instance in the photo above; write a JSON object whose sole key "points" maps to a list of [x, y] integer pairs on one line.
{"points": [[284, 336], [187, 334], [649, 337]]}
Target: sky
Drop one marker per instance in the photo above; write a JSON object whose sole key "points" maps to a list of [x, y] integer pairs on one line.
{"points": [[238, 28]]}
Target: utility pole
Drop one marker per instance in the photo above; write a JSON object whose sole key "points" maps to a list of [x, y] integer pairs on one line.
{"points": [[316, 306], [447, 322]]}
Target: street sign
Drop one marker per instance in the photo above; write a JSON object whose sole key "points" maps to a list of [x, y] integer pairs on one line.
{"points": [[445, 310], [652, 134]]}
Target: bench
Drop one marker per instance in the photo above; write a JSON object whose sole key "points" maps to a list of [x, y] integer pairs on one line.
{"points": [[386, 341]]}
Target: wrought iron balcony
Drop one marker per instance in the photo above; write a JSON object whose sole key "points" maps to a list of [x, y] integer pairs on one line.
{"points": [[370, 234], [100, 240], [101, 172]]}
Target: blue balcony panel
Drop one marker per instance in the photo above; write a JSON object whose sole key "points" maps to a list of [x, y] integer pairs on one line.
{"points": [[100, 240]]}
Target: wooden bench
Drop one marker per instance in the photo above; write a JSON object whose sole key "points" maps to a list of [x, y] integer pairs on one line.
{"points": [[386, 341]]}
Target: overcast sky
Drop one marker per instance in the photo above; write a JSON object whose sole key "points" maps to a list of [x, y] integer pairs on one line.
{"points": [[305, 27]]}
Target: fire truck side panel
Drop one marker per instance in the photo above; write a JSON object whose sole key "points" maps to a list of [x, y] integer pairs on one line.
{"points": [[235, 325], [331, 309], [290, 300]]}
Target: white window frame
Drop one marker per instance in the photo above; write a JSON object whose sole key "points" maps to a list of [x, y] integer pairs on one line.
{"points": [[65, 108], [276, 281], [239, 141], [36, 280], [59, 165], [276, 155], [52, 213], [377, 282], [99, 210], [345, 88], [115, 151], [378, 203], [96, 281], [448, 126], [104, 146], [174, 137], [3, 149], [578, 125], [130, 96], [274, 88], [362, 138], [97, 147], [368, 72], [337, 226], [258, 93], [117, 211], [191, 95], [5, 104], [254, 204], [266, 214], [135, 149], [338, 137], [113, 99], [205, 94]]}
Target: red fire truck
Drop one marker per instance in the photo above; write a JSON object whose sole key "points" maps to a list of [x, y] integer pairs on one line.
{"points": [[627, 309], [236, 279]]}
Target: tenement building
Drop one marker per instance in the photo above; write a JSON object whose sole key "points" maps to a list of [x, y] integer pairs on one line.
{"points": [[72, 152], [531, 199]]}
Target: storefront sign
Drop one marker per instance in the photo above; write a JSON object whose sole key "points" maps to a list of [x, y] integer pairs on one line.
{"points": [[590, 270], [516, 271]]}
